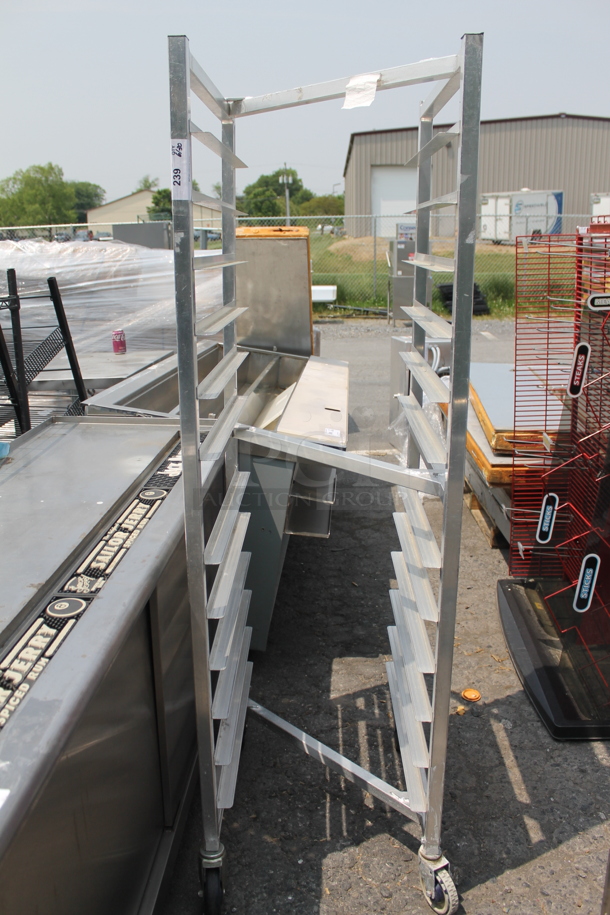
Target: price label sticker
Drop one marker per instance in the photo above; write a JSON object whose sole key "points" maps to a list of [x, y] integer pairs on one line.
{"points": [[181, 170]]}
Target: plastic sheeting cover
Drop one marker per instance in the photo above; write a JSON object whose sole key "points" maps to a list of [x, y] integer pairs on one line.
{"points": [[105, 286]]}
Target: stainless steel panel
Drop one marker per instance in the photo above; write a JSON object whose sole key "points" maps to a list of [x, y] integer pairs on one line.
{"points": [[154, 388], [308, 519], [66, 478], [275, 285], [314, 482], [173, 665], [87, 841], [318, 407], [266, 498], [99, 370]]}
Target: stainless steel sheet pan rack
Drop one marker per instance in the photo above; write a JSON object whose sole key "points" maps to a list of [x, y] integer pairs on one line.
{"points": [[443, 475]]}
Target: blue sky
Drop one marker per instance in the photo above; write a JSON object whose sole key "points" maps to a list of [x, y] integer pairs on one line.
{"points": [[84, 82]]}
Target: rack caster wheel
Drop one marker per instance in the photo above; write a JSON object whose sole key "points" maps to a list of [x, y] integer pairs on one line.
{"points": [[445, 900], [213, 891]]}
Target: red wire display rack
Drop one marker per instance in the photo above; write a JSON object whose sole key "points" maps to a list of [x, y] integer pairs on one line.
{"points": [[556, 611]]}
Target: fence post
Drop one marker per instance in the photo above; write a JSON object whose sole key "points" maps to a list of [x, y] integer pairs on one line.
{"points": [[374, 257]]}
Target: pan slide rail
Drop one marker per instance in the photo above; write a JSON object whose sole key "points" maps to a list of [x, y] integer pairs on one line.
{"points": [[414, 601]]}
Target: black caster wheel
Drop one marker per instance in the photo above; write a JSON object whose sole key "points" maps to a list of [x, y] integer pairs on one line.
{"points": [[212, 891], [445, 900]]}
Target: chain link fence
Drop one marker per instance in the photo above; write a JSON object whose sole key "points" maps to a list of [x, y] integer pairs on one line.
{"points": [[353, 253]]}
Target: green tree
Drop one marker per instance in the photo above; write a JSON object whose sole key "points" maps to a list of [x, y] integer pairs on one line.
{"points": [[161, 204], [37, 195], [261, 201], [87, 197], [266, 195], [147, 184], [326, 205]]}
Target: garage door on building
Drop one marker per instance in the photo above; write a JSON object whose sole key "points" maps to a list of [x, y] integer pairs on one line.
{"points": [[393, 193]]}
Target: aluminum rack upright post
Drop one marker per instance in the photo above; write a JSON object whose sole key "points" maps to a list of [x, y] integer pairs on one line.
{"points": [[220, 638]]}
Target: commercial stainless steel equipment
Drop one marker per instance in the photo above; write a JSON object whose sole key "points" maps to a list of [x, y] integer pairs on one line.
{"points": [[445, 469], [97, 731]]}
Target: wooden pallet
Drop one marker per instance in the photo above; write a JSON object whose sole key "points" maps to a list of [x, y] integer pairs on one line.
{"points": [[494, 537]]}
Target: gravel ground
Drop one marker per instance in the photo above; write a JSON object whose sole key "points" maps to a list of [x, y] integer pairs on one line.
{"points": [[525, 823]]}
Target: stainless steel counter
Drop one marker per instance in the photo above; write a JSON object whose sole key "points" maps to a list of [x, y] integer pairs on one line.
{"points": [[97, 742]]}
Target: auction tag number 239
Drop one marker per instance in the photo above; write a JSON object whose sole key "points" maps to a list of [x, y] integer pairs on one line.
{"points": [[181, 170]]}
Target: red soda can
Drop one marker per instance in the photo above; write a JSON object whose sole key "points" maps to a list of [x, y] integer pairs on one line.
{"points": [[119, 345]]}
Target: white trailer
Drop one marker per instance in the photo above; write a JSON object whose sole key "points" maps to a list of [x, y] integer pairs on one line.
{"points": [[600, 204], [505, 216]]}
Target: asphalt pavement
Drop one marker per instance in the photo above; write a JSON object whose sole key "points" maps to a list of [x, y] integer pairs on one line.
{"points": [[526, 818]]}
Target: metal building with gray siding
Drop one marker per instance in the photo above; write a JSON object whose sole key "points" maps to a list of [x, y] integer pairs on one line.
{"points": [[567, 152]]}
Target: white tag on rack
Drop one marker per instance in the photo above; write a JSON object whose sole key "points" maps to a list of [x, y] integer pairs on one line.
{"points": [[181, 170]]}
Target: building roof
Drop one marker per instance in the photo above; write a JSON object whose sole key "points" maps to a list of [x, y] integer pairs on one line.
{"points": [[108, 203], [533, 117]]}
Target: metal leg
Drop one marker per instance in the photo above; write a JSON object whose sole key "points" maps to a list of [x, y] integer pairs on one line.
{"points": [[67, 336], [22, 388], [11, 380]]}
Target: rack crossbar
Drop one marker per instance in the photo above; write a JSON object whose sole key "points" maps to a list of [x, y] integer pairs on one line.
{"points": [[229, 573], [414, 776], [206, 91], [422, 531], [438, 142], [286, 445], [216, 381], [426, 377], [430, 446], [439, 96], [228, 776], [447, 200], [212, 143], [408, 619], [419, 582], [213, 323], [431, 323], [227, 518], [395, 798], [433, 263], [423, 71]]}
